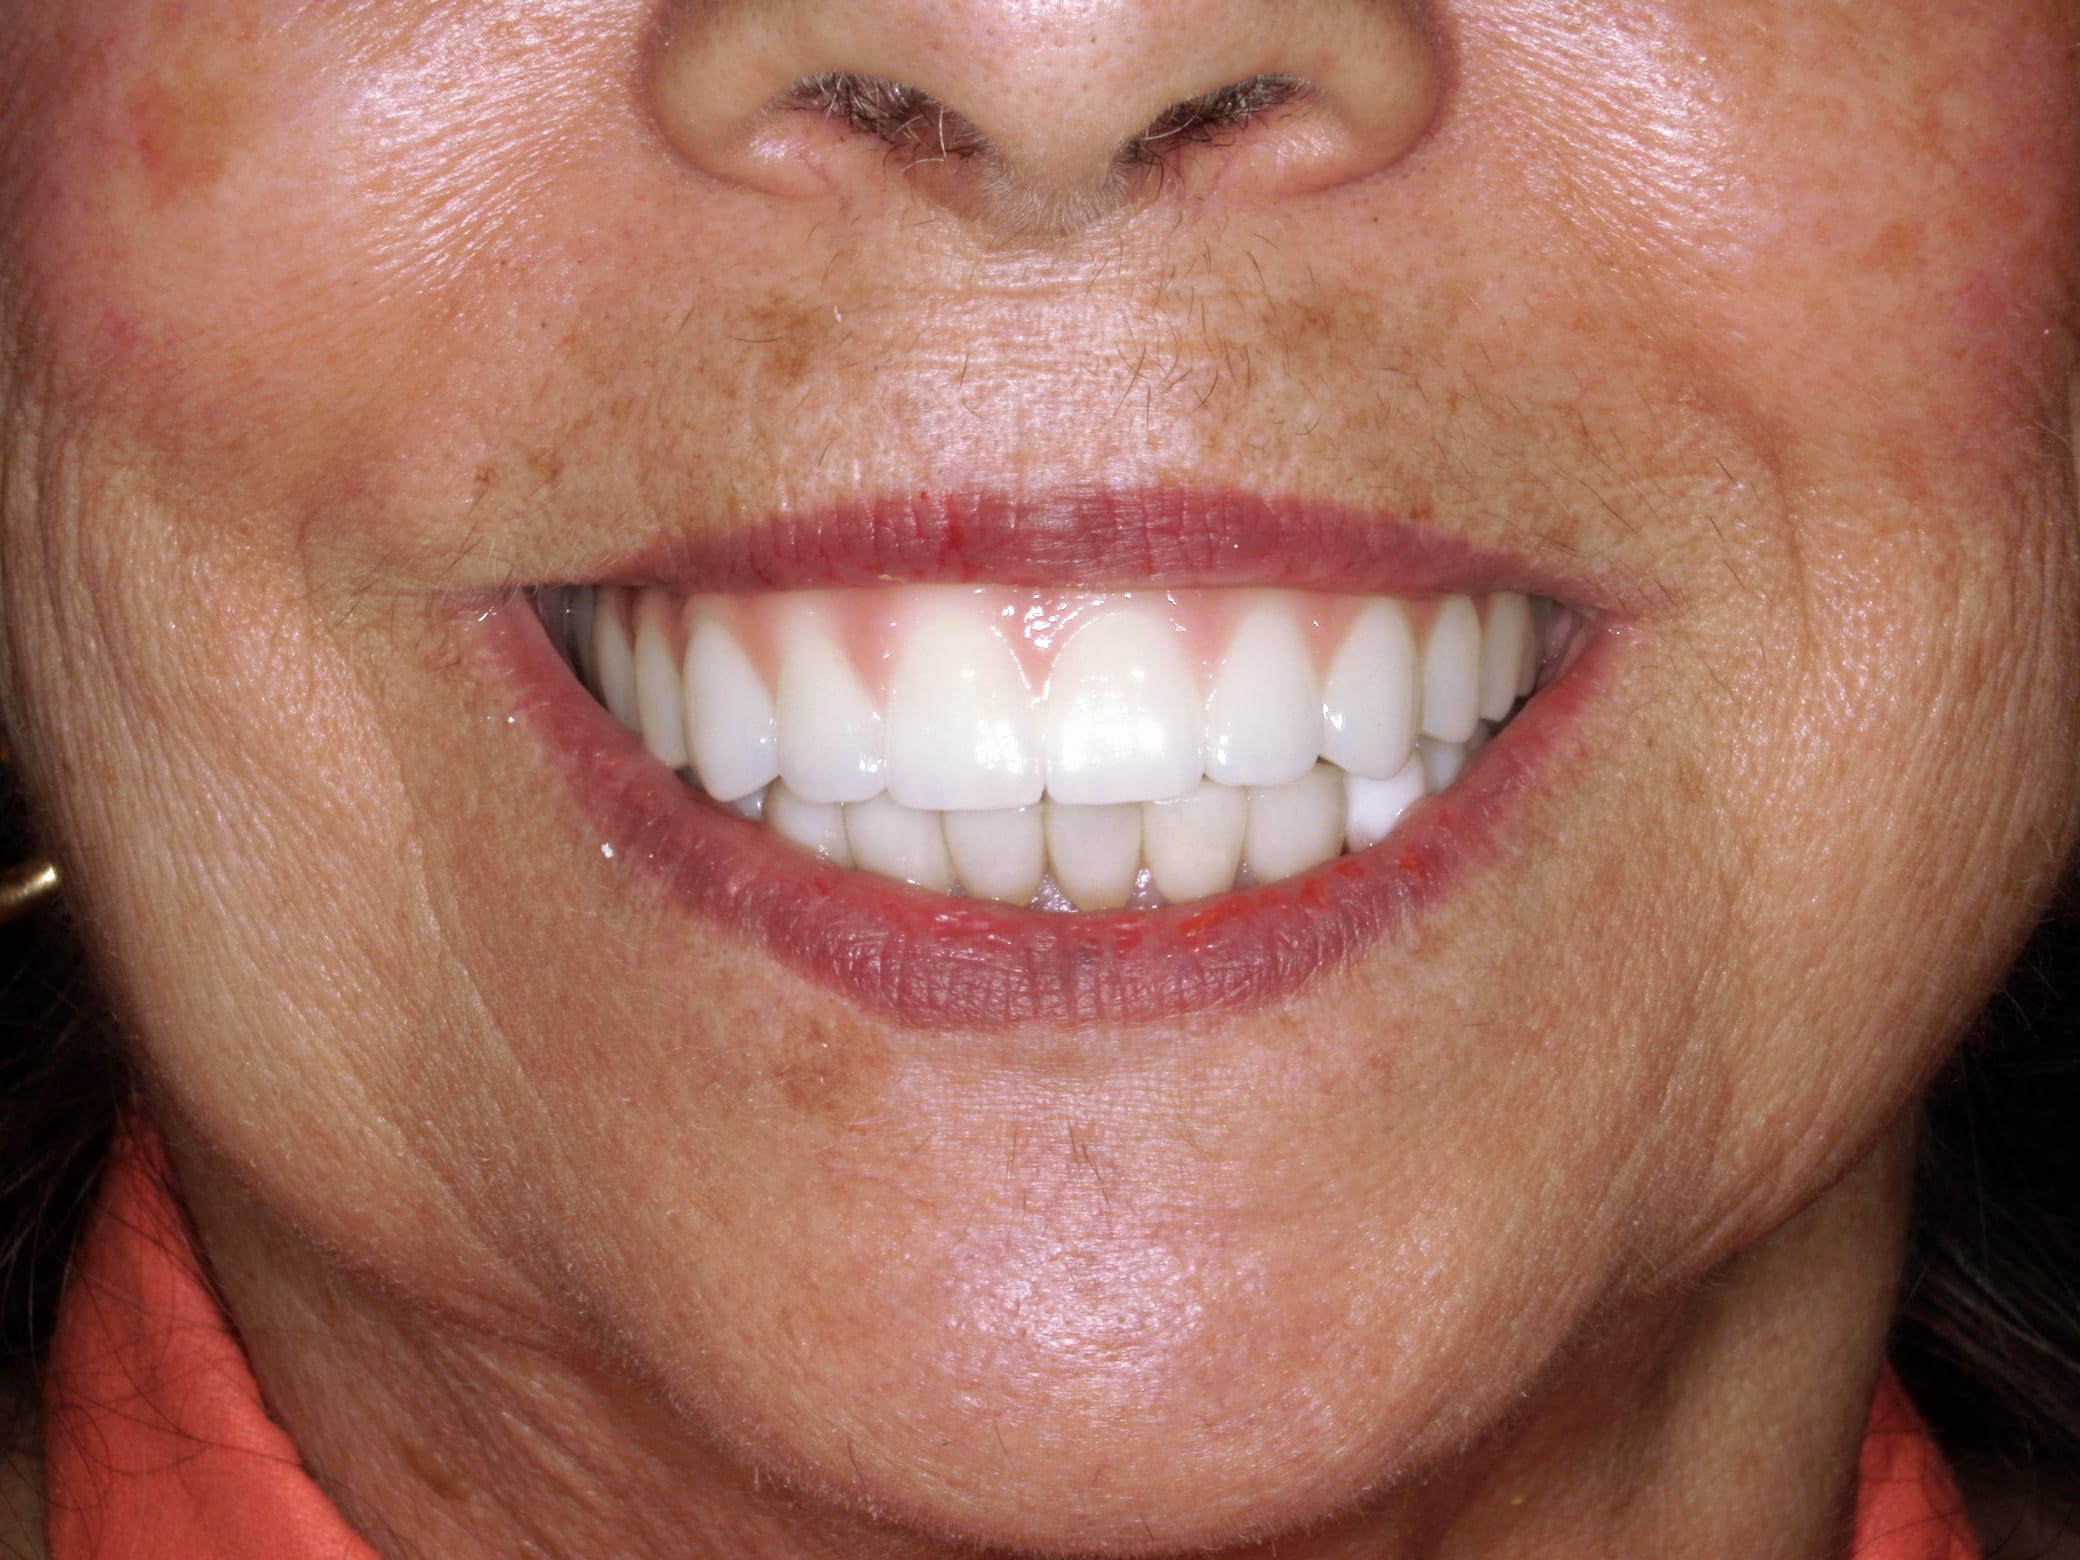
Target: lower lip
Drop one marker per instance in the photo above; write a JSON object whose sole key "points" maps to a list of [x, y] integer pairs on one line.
{"points": [[933, 962]]}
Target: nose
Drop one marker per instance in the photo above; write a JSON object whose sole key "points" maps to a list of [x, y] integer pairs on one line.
{"points": [[1018, 106]]}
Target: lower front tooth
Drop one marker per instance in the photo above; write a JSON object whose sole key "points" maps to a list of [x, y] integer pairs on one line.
{"points": [[1193, 845], [899, 842], [1294, 826], [1441, 762], [999, 853], [817, 826], [1373, 807], [1094, 852]]}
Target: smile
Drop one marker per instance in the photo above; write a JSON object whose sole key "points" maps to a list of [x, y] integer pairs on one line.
{"points": [[1064, 751], [967, 797]]}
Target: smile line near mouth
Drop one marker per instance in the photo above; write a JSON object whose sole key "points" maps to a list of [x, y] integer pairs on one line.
{"points": [[1229, 787]]}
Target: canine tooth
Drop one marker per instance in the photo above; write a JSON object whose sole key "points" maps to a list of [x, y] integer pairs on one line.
{"points": [[1369, 708], [729, 714], [1371, 808], [1094, 852], [1263, 718], [899, 842], [1503, 640], [1294, 826], [1193, 844], [1122, 714], [1000, 853], [1441, 761], [1452, 671], [614, 656], [660, 698], [817, 826], [962, 728], [827, 730]]}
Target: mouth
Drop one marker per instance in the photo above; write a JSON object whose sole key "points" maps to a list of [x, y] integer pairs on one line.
{"points": [[927, 773]]}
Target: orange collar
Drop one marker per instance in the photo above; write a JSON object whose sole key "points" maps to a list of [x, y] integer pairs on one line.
{"points": [[158, 1446]]}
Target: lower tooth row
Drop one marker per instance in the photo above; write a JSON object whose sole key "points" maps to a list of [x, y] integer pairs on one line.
{"points": [[1136, 854]]}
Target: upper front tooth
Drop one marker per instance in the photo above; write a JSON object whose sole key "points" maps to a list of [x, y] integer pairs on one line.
{"points": [[1452, 671], [1369, 710], [829, 732], [614, 655], [729, 714], [962, 728], [660, 700], [1503, 641], [1263, 718], [1123, 712]]}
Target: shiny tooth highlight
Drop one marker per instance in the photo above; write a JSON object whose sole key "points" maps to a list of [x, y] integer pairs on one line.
{"points": [[1094, 852], [1123, 712], [1452, 671], [899, 842], [815, 826], [729, 715], [963, 730], [1370, 709], [1263, 717], [998, 854], [1294, 826], [1193, 844], [827, 726]]}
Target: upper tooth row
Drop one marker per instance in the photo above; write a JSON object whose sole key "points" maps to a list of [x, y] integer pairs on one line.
{"points": [[961, 706]]}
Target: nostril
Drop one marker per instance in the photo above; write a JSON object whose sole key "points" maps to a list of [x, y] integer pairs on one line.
{"points": [[1059, 119]]}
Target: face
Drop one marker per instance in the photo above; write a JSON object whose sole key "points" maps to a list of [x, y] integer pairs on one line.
{"points": [[343, 348]]}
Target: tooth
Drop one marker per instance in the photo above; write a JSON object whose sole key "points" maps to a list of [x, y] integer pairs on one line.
{"points": [[962, 728], [1193, 845], [1503, 641], [1263, 719], [817, 826], [1441, 762], [1534, 646], [660, 700], [828, 731], [1000, 853], [1369, 714], [899, 842], [1094, 852], [614, 656], [752, 804], [1122, 713], [729, 714], [1294, 826], [1371, 808], [1452, 671]]}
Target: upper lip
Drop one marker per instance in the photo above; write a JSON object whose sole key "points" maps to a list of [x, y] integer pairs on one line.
{"points": [[931, 962], [1095, 539]]}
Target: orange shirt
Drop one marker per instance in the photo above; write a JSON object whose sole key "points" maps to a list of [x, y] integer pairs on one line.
{"points": [[158, 1447]]}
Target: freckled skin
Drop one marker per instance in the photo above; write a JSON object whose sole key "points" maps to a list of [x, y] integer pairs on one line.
{"points": [[1558, 1227]]}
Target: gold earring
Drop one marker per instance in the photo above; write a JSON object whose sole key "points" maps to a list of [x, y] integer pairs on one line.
{"points": [[28, 884]]}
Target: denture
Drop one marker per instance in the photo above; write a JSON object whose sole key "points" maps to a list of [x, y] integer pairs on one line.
{"points": [[1063, 750]]}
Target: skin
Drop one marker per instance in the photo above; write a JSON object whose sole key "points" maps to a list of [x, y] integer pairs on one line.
{"points": [[555, 1218]]}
